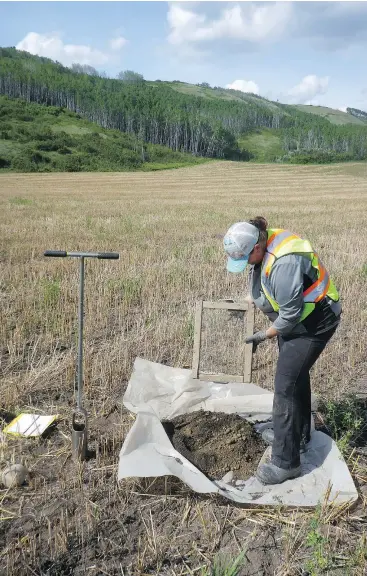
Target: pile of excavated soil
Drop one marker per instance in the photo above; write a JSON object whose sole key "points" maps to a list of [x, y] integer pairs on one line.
{"points": [[217, 443]]}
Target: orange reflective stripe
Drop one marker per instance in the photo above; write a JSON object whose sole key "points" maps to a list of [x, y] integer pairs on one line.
{"points": [[318, 293], [319, 289], [325, 291], [281, 244], [272, 237], [269, 260], [318, 281]]}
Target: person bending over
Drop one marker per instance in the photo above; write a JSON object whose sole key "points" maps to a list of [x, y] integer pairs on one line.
{"points": [[291, 286]]}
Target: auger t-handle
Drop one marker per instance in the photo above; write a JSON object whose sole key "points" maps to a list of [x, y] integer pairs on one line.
{"points": [[79, 432]]}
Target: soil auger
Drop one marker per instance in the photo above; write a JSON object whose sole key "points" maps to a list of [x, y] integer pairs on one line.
{"points": [[79, 434]]}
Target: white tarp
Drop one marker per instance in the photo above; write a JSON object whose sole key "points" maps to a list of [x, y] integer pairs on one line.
{"points": [[156, 392]]}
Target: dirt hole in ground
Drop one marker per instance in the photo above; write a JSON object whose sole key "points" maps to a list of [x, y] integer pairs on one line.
{"points": [[217, 443]]}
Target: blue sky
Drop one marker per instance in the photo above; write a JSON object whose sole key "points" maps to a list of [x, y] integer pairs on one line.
{"points": [[297, 52]]}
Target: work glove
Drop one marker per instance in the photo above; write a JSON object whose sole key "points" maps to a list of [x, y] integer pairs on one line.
{"points": [[256, 339]]}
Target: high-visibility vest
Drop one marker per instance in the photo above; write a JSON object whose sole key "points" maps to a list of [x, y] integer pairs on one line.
{"points": [[282, 242]]}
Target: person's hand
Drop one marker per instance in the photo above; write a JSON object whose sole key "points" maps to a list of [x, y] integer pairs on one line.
{"points": [[256, 339]]}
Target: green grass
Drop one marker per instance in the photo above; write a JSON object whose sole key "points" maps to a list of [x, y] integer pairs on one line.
{"points": [[19, 201], [334, 116], [224, 565], [346, 420], [317, 545], [217, 93], [155, 166], [322, 556], [72, 128], [201, 91], [264, 145]]}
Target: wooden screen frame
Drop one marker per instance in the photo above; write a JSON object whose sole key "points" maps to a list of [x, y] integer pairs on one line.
{"points": [[249, 320]]}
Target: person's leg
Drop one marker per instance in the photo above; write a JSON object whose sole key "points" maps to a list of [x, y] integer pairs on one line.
{"points": [[305, 408], [305, 399], [296, 357], [305, 387]]}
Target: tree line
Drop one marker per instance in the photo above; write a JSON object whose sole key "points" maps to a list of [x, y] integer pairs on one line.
{"points": [[157, 114], [46, 138]]}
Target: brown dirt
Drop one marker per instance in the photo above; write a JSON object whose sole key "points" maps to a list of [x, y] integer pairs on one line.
{"points": [[217, 443]]}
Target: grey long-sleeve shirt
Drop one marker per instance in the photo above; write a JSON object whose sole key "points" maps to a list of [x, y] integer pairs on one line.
{"points": [[287, 285]]}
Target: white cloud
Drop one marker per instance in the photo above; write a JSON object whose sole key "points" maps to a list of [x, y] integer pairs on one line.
{"points": [[246, 21], [52, 46], [117, 43], [342, 108], [244, 86], [183, 24], [309, 87]]}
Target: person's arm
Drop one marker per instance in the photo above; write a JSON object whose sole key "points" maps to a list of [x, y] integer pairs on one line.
{"points": [[286, 280], [271, 332]]}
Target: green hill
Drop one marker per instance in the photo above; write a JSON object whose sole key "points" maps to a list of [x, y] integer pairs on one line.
{"points": [[34, 137], [218, 93], [262, 145], [334, 116], [196, 120]]}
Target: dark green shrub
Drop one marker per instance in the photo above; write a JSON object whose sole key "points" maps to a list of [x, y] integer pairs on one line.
{"points": [[48, 146], [73, 163], [4, 162], [21, 163], [64, 150]]}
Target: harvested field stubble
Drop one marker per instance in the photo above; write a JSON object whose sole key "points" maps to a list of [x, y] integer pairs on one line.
{"points": [[75, 519]]}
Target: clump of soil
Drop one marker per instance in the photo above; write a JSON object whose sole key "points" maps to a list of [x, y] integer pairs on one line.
{"points": [[217, 443]]}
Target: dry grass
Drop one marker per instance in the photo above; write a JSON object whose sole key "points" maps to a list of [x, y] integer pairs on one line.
{"points": [[74, 519]]}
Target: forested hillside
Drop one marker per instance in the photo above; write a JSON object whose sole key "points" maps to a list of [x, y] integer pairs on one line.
{"points": [[157, 113], [360, 114], [38, 138]]}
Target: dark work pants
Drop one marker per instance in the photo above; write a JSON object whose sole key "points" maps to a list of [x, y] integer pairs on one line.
{"points": [[292, 395]]}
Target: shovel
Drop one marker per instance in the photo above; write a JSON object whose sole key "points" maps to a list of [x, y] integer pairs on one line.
{"points": [[79, 433]]}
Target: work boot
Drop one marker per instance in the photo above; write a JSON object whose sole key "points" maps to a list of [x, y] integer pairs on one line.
{"points": [[268, 437], [271, 474]]}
